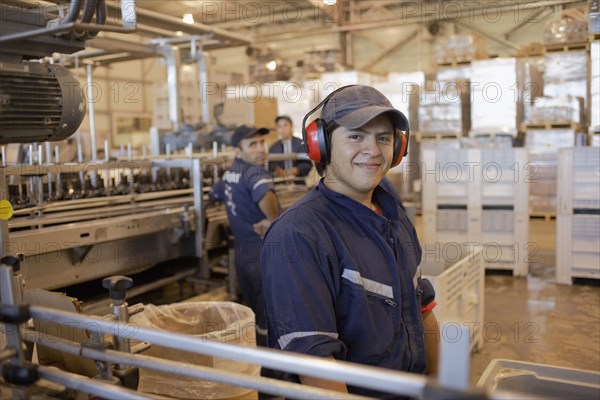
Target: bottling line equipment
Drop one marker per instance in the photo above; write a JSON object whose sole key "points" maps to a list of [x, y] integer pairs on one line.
{"points": [[78, 222]]}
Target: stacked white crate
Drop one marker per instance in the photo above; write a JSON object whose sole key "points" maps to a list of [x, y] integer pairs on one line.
{"points": [[505, 85], [479, 196], [458, 277], [505, 209], [543, 146], [402, 89], [566, 74], [595, 93], [444, 109], [459, 72], [595, 85], [578, 219], [451, 194]]}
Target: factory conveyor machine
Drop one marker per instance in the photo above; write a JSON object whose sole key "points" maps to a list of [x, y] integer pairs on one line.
{"points": [[78, 222]]}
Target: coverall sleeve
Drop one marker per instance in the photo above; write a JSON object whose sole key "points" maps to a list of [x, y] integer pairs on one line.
{"points": [[217, 192], [258, 182], [299, 291]]}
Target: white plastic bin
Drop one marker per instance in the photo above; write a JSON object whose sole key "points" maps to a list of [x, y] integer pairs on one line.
{"points": [[458, 277], [539, 380]]}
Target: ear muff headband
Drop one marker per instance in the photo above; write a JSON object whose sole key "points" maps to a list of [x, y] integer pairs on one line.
{"points": [[315, 134], [316, 137]]}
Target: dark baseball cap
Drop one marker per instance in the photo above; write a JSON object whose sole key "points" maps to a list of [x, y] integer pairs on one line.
{"points": [[245, 132], [355, 105]]}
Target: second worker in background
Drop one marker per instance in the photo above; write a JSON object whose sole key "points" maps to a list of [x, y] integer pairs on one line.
{"points": [[287, 144], [249, 196]]}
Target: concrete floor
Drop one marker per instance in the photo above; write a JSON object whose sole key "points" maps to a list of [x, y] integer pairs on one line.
{"points": [[534, 319]]}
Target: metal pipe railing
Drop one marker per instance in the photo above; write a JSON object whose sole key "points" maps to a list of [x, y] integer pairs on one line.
{"points": [[92, 386], [261, 384], [374, 378]]}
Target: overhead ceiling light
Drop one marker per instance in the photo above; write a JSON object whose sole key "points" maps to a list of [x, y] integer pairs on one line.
{"points": [[179, 33], [188, 18], [329, 2], [272, 65]]}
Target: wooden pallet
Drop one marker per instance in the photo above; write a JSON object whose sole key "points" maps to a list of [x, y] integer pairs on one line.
{"points": [[492, 135], [534, 49], [541, 215], [552, 48], [551, 125], [419, 136], [455, 63]]}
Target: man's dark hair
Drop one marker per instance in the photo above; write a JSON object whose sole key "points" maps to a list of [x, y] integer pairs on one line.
{"points": [[284, 117]]}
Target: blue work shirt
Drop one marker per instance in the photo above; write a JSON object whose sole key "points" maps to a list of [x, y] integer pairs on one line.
{"points": [[304, 166], [338, 281], [242, 187]]}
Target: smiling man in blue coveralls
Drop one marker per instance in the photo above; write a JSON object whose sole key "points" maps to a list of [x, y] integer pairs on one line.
{"points": [[339, 266], [248, 192]]}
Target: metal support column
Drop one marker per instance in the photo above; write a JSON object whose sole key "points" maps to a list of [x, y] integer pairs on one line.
{"points": [[198, 55], [91, 111], [172, 59], [196, 168]]}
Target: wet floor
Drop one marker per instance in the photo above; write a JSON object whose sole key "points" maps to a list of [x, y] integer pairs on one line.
{"points": [[534, 319]]}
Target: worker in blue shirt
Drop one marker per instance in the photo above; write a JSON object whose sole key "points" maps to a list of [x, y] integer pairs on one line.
{"points": [[287, 144], [249, 195], [339, 267]]}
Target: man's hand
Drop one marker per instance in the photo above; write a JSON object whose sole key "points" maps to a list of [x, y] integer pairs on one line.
{"points": [[324, 383], [282, 173], [279, 172], [261, 227]]}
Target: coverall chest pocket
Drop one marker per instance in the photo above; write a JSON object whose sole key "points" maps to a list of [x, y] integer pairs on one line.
{"points": [[369, 318]]}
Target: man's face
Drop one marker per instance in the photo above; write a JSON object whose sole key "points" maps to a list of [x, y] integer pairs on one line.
{"points": [[252, 150], [284, 129], [360, 158]]}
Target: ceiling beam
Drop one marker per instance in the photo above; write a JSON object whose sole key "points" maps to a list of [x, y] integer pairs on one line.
{"points": [[122, 46], [493, 37], [170, 23], [295, 15], [370, 64], [531, 18], [359, 34], [405, 18]]}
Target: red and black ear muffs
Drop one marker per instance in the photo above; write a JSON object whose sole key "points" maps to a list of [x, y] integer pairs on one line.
{"points": [[317, 135], [316, 139]]}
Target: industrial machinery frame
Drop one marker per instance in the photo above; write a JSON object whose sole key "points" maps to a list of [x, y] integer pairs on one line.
{"points": [[17, 370]]}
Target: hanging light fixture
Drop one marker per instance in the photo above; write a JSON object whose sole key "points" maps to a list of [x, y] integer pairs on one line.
{"points": [[188, 18], [329, 2], [272, 65]]}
